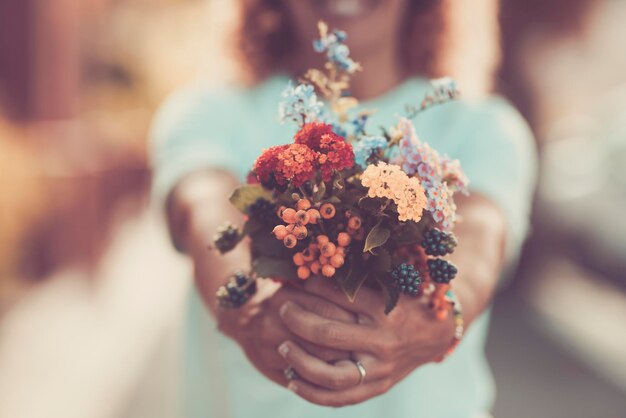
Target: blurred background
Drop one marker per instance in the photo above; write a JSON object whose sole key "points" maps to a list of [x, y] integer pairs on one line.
{"points": [[92, 295]]}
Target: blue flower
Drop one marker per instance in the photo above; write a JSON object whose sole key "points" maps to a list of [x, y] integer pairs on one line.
{"points": [[444, 88], [299, 104], [366, 147], [359, 123], [336, 50]]}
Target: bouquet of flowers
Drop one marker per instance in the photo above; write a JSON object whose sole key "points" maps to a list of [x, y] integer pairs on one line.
{"points": [[342, 203]]}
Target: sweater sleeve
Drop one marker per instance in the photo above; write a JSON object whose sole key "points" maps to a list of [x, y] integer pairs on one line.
{"points": [[193, 130], [499, 156]]}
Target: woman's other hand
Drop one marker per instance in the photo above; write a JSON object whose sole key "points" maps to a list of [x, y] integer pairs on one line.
{"points": [[258, 329], [392, 346], [196, 208], [388, 346]]}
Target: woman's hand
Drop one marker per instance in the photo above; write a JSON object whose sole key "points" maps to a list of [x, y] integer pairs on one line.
{"points": [[388, 346], [258, 329], [196, 208]]}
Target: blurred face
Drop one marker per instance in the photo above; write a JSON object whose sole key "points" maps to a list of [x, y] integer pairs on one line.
{"points": [[370, 24]]}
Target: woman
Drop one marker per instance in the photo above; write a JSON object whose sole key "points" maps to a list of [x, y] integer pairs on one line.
{"points": [[206, 140]]}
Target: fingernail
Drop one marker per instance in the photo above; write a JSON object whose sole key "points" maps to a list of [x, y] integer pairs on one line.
{"points": [[292, 386], [283, 349], [283, 309]]}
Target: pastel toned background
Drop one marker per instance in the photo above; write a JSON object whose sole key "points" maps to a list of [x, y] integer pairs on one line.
{"points": [[92, 295]]}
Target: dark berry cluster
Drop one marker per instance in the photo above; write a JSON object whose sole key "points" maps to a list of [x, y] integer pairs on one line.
{"points": [[441, 271], [406, 278], [264, 210], [226, 238], [438, 243], [237, 291]]}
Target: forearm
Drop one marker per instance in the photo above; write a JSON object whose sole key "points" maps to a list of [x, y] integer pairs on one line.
{"points": [[480, 253], [197, 207]]}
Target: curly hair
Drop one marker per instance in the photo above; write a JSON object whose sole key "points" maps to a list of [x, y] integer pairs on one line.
{"points": [[458, 38]]}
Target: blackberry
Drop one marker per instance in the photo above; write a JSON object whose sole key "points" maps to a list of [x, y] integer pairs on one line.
{"points": [[237, 291], [406, 279], [240, 279], [438, 243], [264, 210], [226, 238], [441, 271]]}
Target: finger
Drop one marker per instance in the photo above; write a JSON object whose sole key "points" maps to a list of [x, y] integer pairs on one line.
{"points": [[367, 302], [342, 375], [320, 306], [326, 332], [325, 397], [322, 353]]}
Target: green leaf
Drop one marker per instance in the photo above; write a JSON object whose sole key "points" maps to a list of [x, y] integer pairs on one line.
{"points": [[410, 233], [353, 279], [377, 237], [246, 195], [269, 267], [390, 293], [381, 261], [252, 226], [265, 244], [338, 185]]}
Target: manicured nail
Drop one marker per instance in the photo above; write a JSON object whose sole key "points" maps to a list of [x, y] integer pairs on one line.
{"points": [[283, 309], [283, 349], [292, 386]]}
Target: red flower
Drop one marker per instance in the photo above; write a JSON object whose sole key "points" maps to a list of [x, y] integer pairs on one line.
{"points": [[335, 155], [316, 147], [295, 164], [251, 178], [265, 165], [311, 133], [333, 152]]}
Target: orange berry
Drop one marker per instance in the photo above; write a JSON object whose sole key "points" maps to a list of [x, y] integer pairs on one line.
{"points": [[341, 251], [308, 255], [314, 215], [280, 231], [300, 232], [328, 249], [302, 217], [303, 204], [343, 239], [289, 215], [441, 314], [337, 260], [298, 259], [314, 248], [354, 222], [328, 210], [328, 270], [280, 210], [324, 260], [322, 239], [290, 241], [303, 272], [315, 267]]}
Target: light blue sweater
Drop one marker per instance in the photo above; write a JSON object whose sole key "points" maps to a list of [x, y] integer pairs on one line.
{"points": [[200, 127]]}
